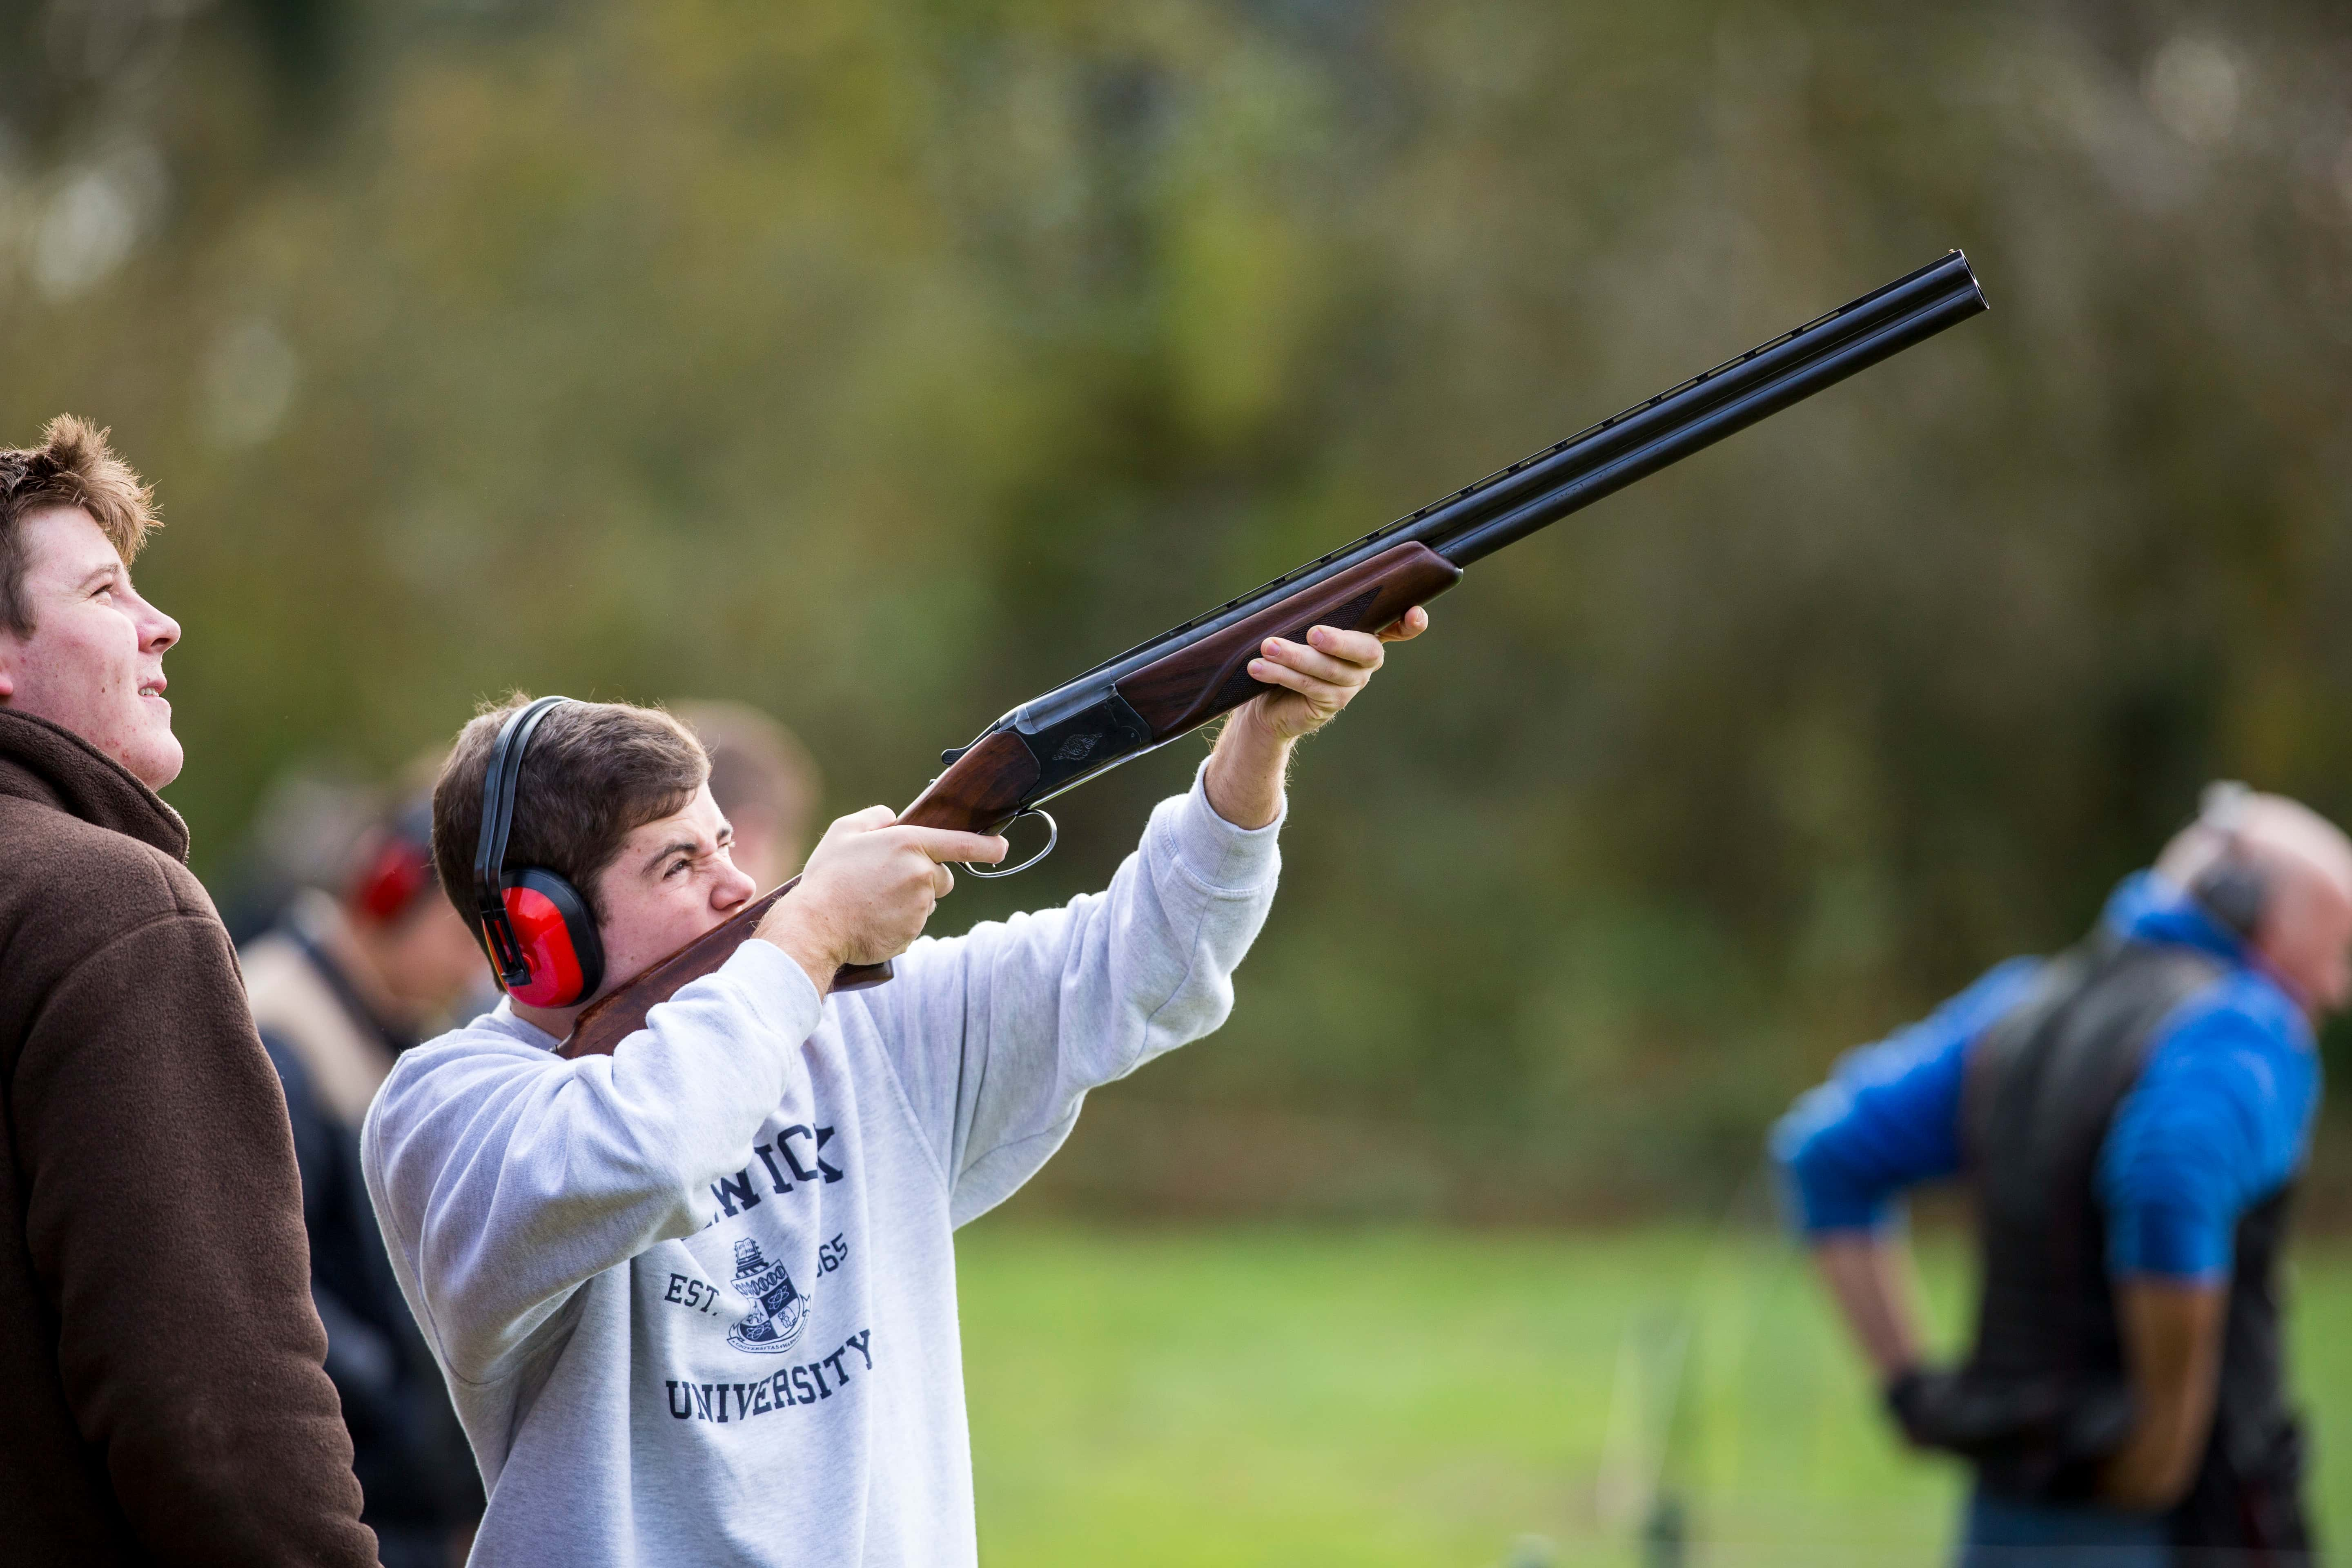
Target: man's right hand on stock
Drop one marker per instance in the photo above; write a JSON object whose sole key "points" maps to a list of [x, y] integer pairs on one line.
{"points": [[867, 890]]}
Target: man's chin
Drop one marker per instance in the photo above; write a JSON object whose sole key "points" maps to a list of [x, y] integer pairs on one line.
{"points": [[154, 758]]}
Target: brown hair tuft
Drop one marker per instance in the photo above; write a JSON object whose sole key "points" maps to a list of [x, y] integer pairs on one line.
{"points": [[73, 466]]}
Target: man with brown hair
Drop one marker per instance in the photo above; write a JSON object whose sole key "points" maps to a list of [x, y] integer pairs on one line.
{"points": [[162, 1393], [695, 1299]]}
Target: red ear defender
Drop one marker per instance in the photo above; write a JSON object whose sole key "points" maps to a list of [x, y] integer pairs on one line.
{"points": [[395, 874], [558, 939], [397, 868], [534, 926]]}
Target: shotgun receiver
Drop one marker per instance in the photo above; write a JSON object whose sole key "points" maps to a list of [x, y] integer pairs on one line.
{"points": [[1189, 674]]}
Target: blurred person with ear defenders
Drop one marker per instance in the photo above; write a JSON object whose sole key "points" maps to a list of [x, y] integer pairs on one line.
{"points": [[163, 1397], [2131, 1116], [339, 987], [697, 1300]]}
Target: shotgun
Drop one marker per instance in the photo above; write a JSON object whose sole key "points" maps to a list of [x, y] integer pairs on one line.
{"points": [[1188, 675]]}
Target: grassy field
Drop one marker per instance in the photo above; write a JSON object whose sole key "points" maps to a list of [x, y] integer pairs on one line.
{"points": [[1271, 1396]]}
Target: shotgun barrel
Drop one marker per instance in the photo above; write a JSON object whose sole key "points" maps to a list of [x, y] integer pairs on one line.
{"points": [[1570, 475], [1169, 685], [1079, 728]]}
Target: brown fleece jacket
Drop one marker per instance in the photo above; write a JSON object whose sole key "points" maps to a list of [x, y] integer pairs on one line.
{"points": [[162, 1392]]}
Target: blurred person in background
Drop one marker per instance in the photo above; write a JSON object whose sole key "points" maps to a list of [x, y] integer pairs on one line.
{"points": [[765, 783], [163, 1397], [298, 836], [2131, 1116], [339, 987]]}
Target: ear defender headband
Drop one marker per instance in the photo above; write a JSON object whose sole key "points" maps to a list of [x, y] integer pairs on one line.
{"points": [[535, 927], [2233, 889]]}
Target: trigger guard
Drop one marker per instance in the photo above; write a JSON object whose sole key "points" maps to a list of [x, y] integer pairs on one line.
{"points": [[1053, 837]]}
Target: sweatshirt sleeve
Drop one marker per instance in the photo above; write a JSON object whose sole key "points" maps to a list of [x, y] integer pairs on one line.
{"points": [[1889, 1115], [998, 1035], [505, 1176], [164, 1216]]}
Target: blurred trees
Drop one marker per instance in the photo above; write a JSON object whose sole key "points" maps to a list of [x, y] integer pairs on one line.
{"points": [[883, 364]]}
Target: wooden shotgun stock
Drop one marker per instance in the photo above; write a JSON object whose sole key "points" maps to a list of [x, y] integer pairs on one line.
{"points": [[605, 1022], [995, 779], [1191, 673]]}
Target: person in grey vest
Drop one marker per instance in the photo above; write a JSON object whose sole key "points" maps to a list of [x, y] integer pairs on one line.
{"points": [[2131, 1116]]}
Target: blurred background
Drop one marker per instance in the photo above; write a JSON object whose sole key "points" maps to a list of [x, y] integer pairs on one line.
{"points": [[880, 365]]}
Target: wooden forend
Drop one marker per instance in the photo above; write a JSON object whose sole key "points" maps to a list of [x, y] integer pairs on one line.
{"points": [[1194, 684], [981, 790]]}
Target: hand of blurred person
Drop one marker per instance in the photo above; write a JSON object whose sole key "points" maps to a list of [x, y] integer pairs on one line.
{"points": [[1918, 1398], [1316, 679], [867, 890]]}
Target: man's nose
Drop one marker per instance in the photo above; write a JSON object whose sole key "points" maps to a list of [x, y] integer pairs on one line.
{"points": [[733, 888], [157, 631]]}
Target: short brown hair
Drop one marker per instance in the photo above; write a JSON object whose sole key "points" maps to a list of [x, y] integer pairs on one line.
{"points": [[73, 466], [595, 773]]}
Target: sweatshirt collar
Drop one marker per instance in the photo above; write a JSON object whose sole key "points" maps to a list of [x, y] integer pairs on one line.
{"points": [[502, 1017], [49, 764]]}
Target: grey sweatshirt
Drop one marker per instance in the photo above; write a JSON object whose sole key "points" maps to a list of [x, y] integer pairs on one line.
{"points": [[695, 1300]]}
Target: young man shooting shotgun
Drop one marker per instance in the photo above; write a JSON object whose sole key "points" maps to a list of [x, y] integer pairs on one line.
{"points": [[696, 1299]]}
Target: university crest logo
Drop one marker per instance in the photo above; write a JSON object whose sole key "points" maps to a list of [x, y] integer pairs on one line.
{"points": [[779, 1311]]}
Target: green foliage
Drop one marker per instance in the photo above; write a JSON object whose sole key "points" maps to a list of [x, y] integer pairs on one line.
{"points": [[883, 364]]}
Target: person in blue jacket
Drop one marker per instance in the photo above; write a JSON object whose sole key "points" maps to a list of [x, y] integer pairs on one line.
{"points": [[2131, 1116]]}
